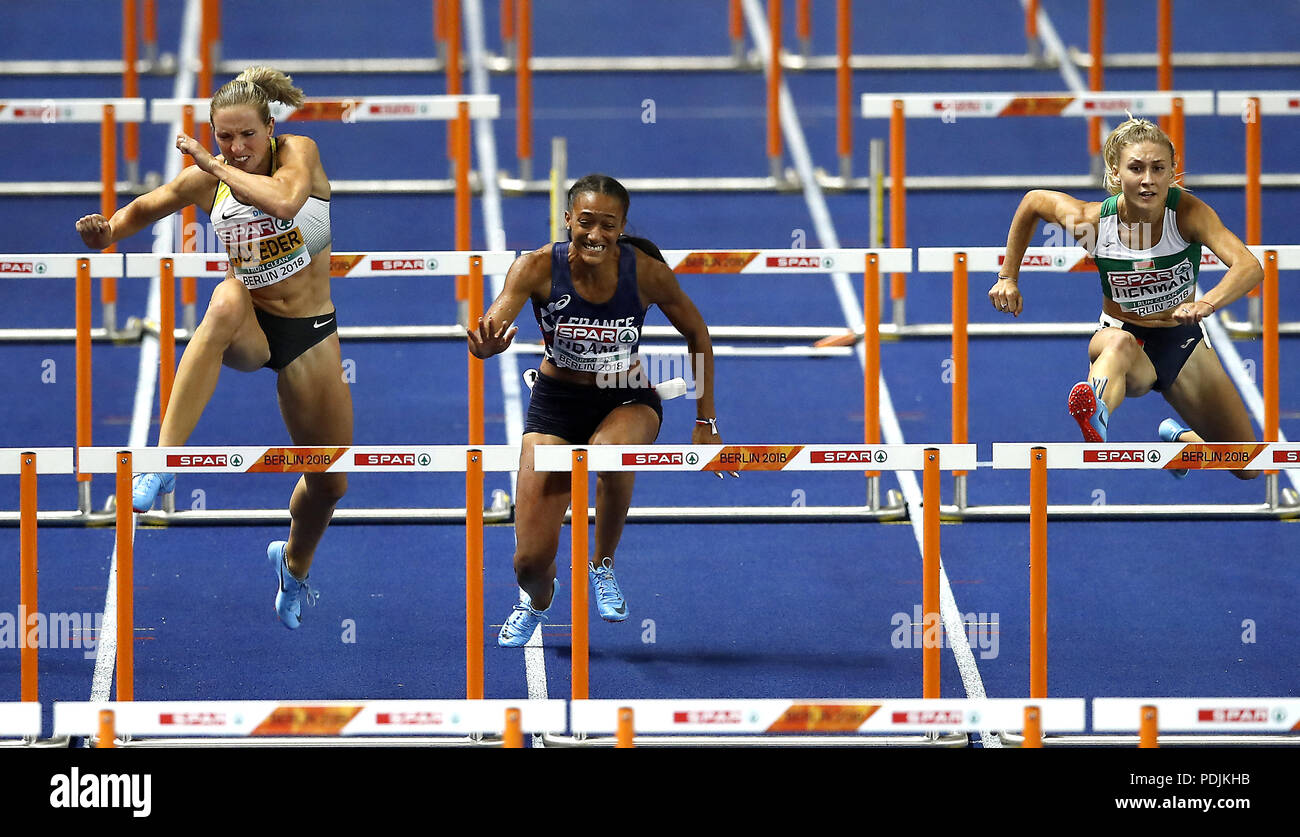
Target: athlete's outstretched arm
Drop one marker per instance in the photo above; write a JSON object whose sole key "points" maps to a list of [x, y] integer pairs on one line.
{"points": [[529, 275]]}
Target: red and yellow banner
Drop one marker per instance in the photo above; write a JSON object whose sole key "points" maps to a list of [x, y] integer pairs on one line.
{"points": [[307, 720]]}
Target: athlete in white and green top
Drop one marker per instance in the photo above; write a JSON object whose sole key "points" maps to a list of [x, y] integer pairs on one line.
{"points": [[1147, 241]]}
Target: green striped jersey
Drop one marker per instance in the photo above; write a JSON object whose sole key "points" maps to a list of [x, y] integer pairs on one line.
{"points": [[1144, 282]]}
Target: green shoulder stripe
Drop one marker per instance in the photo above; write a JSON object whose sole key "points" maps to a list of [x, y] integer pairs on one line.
{"points": [[1110, 206]]}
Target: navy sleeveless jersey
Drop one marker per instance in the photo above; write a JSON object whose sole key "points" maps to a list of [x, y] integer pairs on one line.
{"points": [[587, 336]]}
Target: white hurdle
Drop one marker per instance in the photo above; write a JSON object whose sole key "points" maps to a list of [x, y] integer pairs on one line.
{"points": [[472, 460], [580, 461], [1212, 721], [285, 723], [797, 722]]}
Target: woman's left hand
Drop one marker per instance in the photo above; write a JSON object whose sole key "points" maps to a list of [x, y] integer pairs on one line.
{"points": [[706, 433], [1190, 313]]}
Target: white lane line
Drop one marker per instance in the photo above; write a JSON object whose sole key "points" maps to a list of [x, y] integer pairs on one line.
{"points": [[147, 377], [485, 143], [852, 309]]}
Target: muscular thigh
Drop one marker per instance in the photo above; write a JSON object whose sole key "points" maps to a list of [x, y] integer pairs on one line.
{"points": [[231, 310], [315, 401], [1208, 401], [1139, 374]]}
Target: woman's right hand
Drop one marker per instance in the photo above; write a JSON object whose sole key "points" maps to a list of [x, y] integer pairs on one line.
{"points": [[486, 341], [1005, 296], [95, 231]]}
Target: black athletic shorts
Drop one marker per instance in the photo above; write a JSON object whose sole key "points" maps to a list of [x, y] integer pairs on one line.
{"points": [[289, 337], [1168, 348], [574, 411]]}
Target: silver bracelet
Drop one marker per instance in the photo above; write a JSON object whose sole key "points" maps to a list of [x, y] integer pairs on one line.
{"points": [[711, 422]]}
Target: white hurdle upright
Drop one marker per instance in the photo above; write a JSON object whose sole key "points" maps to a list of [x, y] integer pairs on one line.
{"points": [[580, 461], [854, 722], [472, 460], [270, 723]]}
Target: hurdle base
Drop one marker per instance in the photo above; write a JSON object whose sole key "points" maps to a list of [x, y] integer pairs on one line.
{"points": [[57, 742], [1117, 511], [764, 514], [1168, 740], [950, 740], [306, 741]]}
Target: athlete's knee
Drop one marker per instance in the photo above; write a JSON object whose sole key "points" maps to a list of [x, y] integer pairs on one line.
{"points": [[226, 313], [1117, 341]]}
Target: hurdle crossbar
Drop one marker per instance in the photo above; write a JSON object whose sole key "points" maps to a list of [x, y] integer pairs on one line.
{"points": [[269, 723], [582, 460], [831, 722]]}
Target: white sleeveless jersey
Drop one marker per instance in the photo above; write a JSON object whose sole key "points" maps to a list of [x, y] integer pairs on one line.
{"points": [[1144, 282], [264, 250]]}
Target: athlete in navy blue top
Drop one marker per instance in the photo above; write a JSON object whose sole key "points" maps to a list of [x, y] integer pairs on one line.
{"points": [[589, 295]]}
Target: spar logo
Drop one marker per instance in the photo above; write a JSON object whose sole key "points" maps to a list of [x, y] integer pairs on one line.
{"points": [[389, 265], [202, 460], [707, 716], [32, 268], [850, 456], [607, 335], [409, 719], [1146, 281], [1233, 715], [398, 109], [382, 459], [192, 719], [1036, 260], [677, 458], [935, 717], [219, 266], [1286, 456], [1113, 105], [805, 262], [1121, 455]]}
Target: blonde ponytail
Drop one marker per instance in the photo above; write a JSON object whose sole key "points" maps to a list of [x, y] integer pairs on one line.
{"points": [[257, 87]]}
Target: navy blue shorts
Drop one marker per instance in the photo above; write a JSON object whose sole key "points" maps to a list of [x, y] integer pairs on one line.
{"points": [[290, 337], [1168, 348], [574, 411]]}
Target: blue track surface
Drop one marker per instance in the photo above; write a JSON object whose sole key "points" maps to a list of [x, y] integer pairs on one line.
{"points": [[782, 610]]}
